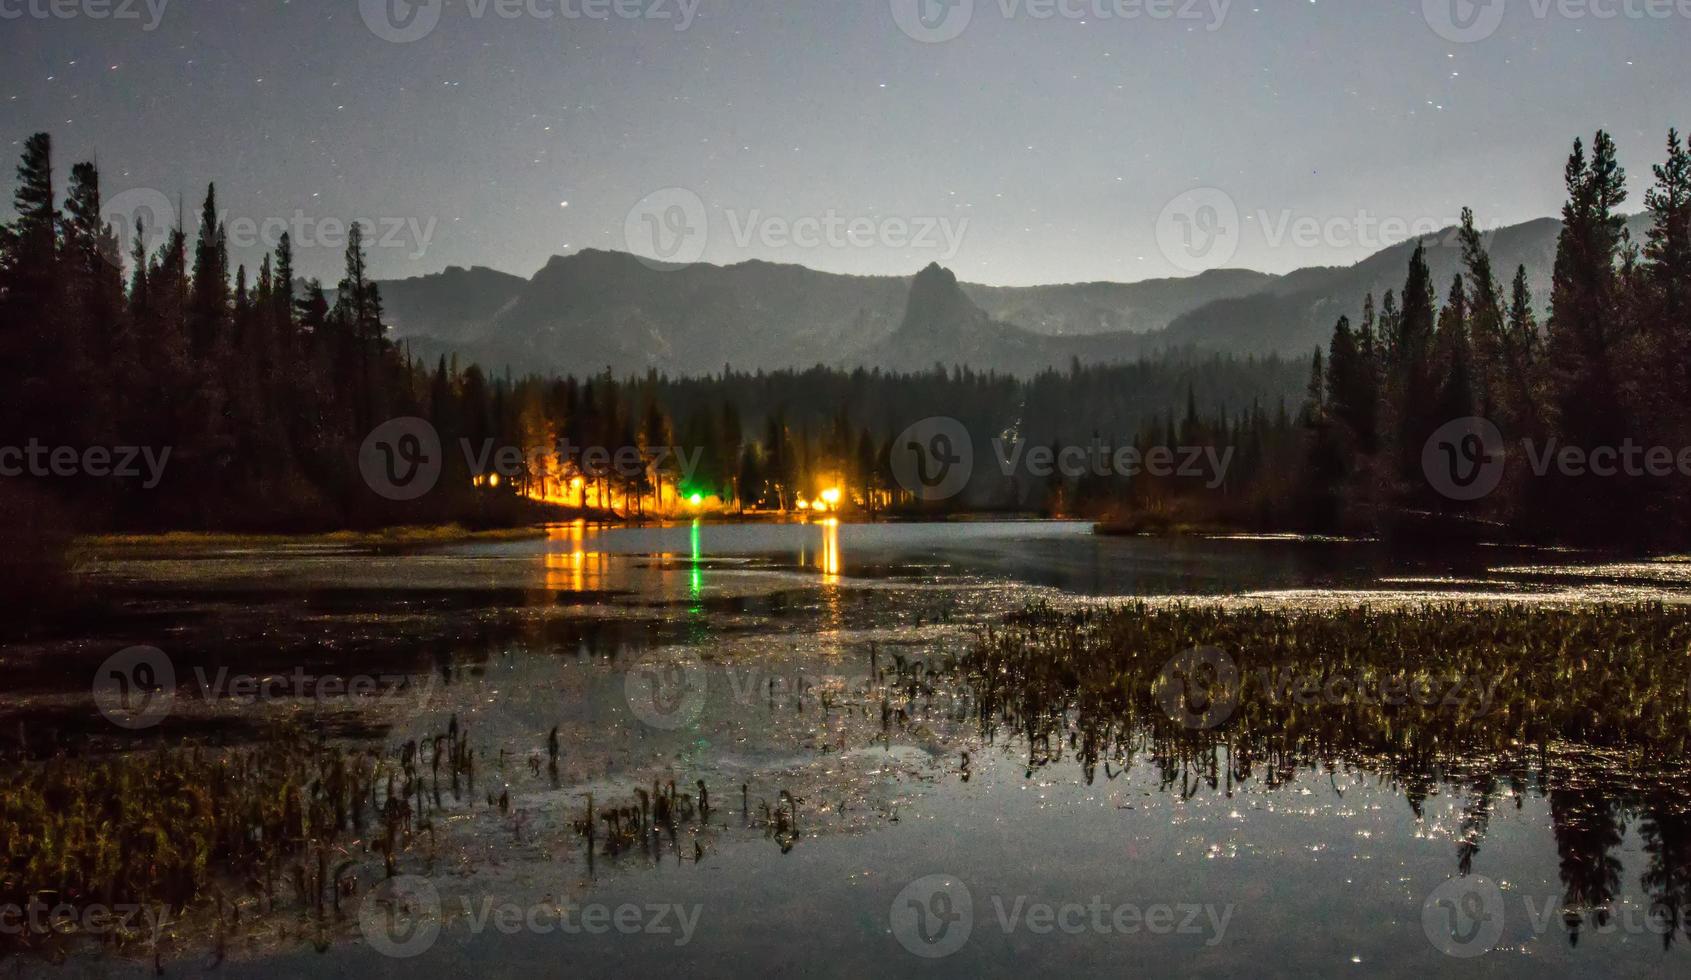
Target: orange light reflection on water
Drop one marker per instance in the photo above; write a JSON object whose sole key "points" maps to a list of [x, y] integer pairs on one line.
{"points": [[570, 567], [829, 558]]}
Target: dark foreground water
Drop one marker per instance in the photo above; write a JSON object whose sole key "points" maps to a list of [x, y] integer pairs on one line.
{"points": [[861, 820]]}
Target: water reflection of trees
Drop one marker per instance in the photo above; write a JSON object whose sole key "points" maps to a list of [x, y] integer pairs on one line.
{"points": [[1666, 829], [1589, 711]]}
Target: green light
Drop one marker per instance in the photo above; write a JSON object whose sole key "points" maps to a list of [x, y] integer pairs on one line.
{"points": [[696, 581], [696, 499]]}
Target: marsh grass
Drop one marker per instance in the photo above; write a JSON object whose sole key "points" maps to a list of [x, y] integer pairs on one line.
{"points": [[296, 824], [1613, 676], [285, 825]]}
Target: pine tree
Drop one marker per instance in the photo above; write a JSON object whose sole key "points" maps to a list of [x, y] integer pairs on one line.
{"points": [[733, 437], [209, 300], [1583, 330], [361, 334], [1412, 373], [1366, 401], [1454, 358], [655, 436], [1417, 321], [262, 346], [94, 265], [1523, 345], [139, 286], [1323, 472], [94, 354], [1343, 363], [1387, 332], [29, 244], [1352, 385], [282, 295], [1668, 242], [1484, 306], [1667, 252], [1315, 394], [31, 333], [1367, 343], [868, 475]]}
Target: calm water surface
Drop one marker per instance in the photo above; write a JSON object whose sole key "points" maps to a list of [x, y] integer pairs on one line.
{"points": [[759, 659]]}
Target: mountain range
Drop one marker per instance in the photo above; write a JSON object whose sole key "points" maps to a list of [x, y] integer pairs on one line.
{"points": [[594, 310]]}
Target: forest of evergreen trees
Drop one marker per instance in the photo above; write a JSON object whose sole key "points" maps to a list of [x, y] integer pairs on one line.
{"points": [[263, 388], [1606, 366]]}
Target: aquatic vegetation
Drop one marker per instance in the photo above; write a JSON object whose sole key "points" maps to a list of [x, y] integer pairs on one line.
{"points": [[284, 836], [176, 828], [651, 823], [1588, 707], [156, 827], [908, 687], [645, 822], [1417, 683]]}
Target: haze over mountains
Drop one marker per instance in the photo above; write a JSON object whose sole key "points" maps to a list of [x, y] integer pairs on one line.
{"points": [[595, 309]]}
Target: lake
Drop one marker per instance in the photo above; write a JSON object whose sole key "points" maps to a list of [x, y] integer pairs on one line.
{"points": [[872, 802]]}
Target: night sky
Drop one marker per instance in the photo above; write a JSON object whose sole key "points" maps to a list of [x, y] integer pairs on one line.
{"points": [[1050, 144]]}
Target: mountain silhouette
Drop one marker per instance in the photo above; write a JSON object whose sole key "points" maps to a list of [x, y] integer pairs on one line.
{"points": [[596, 309]]}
